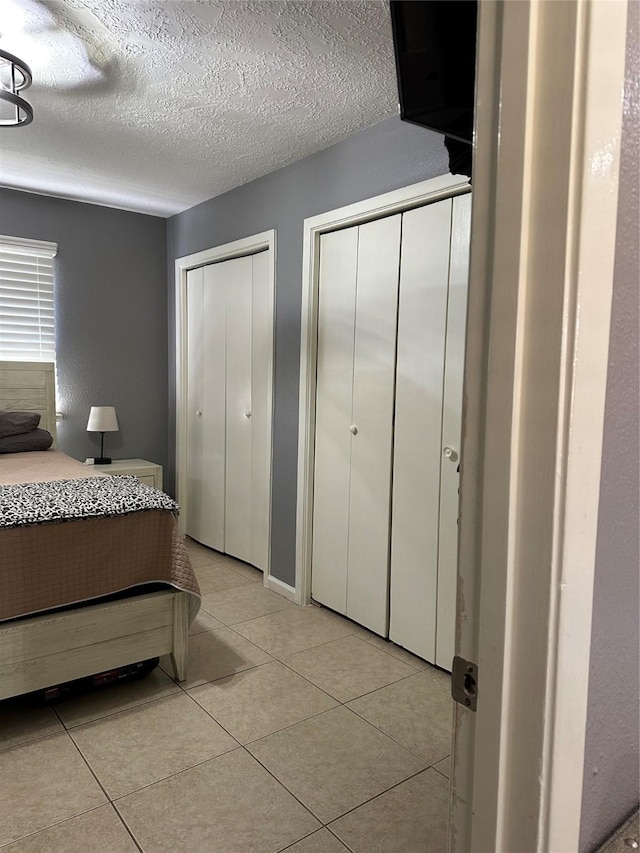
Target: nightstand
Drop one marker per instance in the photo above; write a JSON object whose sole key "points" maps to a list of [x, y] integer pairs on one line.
{"points": [[146, 472]]}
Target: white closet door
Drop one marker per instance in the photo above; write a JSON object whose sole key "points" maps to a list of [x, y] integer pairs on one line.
{"points": [[372, 422], [452, 431], [212, 448], [261, 360], [238, 276], [422, 324], [195, 404], [334, 389]]}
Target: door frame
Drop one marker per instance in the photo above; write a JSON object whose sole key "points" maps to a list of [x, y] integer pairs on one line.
{"points": [[266, 240], [543, 235], [397, 201]]}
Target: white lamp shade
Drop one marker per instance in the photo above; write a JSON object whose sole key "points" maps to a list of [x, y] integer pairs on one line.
{"points": [[102, 419]]}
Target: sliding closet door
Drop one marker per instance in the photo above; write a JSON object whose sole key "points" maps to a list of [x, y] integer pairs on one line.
{"points": [[334, 392], [261, 347], [452, 431], [422, 327], [238, 278], [372, 422]]}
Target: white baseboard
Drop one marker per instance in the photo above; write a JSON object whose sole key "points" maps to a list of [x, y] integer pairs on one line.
{"points": [[282, 588]]}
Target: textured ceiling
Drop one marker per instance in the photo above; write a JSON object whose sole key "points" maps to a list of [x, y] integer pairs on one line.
{"points": [[156, 106]]}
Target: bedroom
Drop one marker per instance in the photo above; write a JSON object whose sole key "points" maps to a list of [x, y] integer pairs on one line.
{"points": [[116, 303], [114, 319]]}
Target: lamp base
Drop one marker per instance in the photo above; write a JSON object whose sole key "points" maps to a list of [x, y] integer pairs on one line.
{"points": [[102, 460]]}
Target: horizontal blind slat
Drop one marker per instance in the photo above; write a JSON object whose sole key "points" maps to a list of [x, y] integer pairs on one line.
{"points": [[43, 293], [13, 262], [33, 318], [18, 264]]}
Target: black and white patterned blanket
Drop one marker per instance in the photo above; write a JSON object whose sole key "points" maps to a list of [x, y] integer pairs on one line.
{"points": [[90, 497]]}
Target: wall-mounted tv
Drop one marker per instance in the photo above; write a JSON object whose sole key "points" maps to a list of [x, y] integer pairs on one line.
{"points": [[435, 49]]}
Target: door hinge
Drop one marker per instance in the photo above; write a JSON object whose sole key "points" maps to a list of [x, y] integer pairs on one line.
{"points": [[464, 683]]}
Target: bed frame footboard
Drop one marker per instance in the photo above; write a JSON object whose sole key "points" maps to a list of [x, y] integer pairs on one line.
{"points": [[45, 650]]}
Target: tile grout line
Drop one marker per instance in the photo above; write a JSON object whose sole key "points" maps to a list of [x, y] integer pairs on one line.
{"points": [[52, 825], [335, 698], [309, 835], [148, 701], [172, 775], [344, 843], [98, 782], [127, 827], [112, 800], [290, 792], [391, 737]]}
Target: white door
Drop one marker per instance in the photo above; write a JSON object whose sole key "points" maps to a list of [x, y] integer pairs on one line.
{"points": [[239, 309], [431, 337], [205, 403], [195, 404], [354, 420], [261, 338], [334, 394], [372, 423], [422, 331], [229, 327], [211, 452]]}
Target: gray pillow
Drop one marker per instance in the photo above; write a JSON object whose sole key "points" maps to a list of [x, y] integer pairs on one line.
{"points": [[16, 423], [37, 439]]}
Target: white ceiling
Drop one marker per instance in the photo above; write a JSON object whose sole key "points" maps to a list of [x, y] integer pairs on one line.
{"points": [[156, 105]]}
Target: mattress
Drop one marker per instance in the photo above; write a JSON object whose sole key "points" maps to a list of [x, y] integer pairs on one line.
{"points": [[49, 566]]}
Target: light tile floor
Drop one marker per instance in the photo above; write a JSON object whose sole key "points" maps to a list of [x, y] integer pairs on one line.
{"points": [[296, 730]]}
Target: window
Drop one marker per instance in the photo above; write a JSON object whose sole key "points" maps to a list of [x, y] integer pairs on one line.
{"points": [[27, 329]]}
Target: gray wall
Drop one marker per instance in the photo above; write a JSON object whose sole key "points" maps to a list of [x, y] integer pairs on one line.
{"points": [[610, 789], [111, 319], [381, 158]]}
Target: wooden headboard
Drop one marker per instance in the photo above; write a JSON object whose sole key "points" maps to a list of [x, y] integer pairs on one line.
{"points": [[29, 386]]}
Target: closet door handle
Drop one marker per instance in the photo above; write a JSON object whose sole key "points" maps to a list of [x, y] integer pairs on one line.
{"points": [[247, 414], [450, 454], [199, 412], [354, 429]]}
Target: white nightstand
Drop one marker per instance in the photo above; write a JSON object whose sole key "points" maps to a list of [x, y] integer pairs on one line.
{"points": [[146, 472]]}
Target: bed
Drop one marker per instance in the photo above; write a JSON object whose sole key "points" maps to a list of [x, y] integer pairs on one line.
{"points": [[93, 591]]}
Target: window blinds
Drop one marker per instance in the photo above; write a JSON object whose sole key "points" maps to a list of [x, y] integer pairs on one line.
{"points": [[27, 330]]}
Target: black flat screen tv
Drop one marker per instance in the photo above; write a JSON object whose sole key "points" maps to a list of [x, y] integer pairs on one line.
{"points": [[435, 50]]}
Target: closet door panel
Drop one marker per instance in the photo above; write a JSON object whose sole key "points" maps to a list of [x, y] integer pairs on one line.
{"points": [[212, 451], [452, 431], [261, 363], [372, 422], [422, 324], [195, 340], [334, 387], [238, 279]]}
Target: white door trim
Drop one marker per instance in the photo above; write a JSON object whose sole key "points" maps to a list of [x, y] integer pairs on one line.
{"points": [[547, 151], [397, 201], [236, 249]]}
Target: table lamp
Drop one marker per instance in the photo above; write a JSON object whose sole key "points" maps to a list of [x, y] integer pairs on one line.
{"points": [[102, 419]]}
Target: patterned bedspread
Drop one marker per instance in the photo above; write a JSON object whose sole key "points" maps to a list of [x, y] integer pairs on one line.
{"points": [[92, 497]]}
